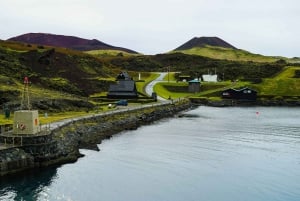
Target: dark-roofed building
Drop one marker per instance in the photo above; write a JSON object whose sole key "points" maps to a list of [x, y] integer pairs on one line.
{"points": [[240, 94], [194, 86], [125, 88]]}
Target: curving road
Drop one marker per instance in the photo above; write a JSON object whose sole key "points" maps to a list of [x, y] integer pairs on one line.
{"points": [[149, 87]]}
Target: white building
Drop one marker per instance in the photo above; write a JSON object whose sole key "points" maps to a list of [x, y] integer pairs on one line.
{"points": [[210, 78]]}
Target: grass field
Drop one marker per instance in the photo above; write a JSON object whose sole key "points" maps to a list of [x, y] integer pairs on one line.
{"points": [[52, 117], [180, 89], [170, 77], [162, 90]]}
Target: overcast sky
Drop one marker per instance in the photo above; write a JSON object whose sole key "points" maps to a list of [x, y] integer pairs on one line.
{"points": [[268, 27]]}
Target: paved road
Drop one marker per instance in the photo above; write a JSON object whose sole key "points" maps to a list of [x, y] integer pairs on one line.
{"points": [[63, 122], [149, 87]]}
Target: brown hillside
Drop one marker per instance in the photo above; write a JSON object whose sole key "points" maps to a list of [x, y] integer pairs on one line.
{"points": [[71, 42], [203, 41], [67, 71]]}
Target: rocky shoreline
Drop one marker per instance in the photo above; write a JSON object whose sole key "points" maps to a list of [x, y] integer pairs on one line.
{"points": [[259, 102], [86, 133]]}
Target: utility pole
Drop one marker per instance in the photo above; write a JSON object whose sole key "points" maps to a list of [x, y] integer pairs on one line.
{"points": [[168, 74], [25, 96]]}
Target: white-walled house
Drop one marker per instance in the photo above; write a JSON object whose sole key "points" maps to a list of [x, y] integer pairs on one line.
{"points": [[210, 78]]}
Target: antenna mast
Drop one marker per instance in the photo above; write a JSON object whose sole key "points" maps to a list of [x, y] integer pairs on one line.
{"points": [[25, 102]]}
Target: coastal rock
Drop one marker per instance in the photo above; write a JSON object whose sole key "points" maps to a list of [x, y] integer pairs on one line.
{"points": [[15, 159]]}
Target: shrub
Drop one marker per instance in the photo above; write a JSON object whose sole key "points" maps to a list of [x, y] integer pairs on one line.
{"points": [[297, 74]]}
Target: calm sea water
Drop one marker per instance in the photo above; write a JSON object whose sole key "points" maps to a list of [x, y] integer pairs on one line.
{"points": [[210, 154]]}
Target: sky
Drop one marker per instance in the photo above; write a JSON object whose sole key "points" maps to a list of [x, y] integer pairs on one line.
{"points": [[268, 27]]}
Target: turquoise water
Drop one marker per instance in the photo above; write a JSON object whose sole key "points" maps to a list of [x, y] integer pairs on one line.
{"points": [[210, 154]]}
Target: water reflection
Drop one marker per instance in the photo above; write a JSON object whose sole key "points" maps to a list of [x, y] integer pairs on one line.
{"points": [[214, 154], [26, 186]]}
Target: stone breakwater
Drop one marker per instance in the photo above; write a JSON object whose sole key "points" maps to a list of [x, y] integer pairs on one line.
{"points": [[86, 133]]}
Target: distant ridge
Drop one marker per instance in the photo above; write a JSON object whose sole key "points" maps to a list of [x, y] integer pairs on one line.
{"points": [[71, 42], [204, 41]]}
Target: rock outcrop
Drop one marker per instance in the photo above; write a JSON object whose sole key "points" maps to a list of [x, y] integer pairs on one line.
{"points": [[15, 160]]}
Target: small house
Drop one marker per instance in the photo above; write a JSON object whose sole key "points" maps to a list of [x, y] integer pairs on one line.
{"points": [[124, 88], [210, 78], [194, 86], [240, 94]]}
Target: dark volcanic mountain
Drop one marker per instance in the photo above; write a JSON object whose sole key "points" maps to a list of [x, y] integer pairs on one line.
{"points": [[71, 42], [203, 41]]}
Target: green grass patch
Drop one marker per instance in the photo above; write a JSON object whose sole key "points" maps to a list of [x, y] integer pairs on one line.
{"points": [[207, 89], [170, 77], [109, 53], [282, 84], [288, 72], [279, 87], [172, 90], [4, 120], [53, 117]]}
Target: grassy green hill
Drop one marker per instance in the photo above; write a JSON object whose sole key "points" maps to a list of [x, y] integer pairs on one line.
{"points": [[227, 54]]}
